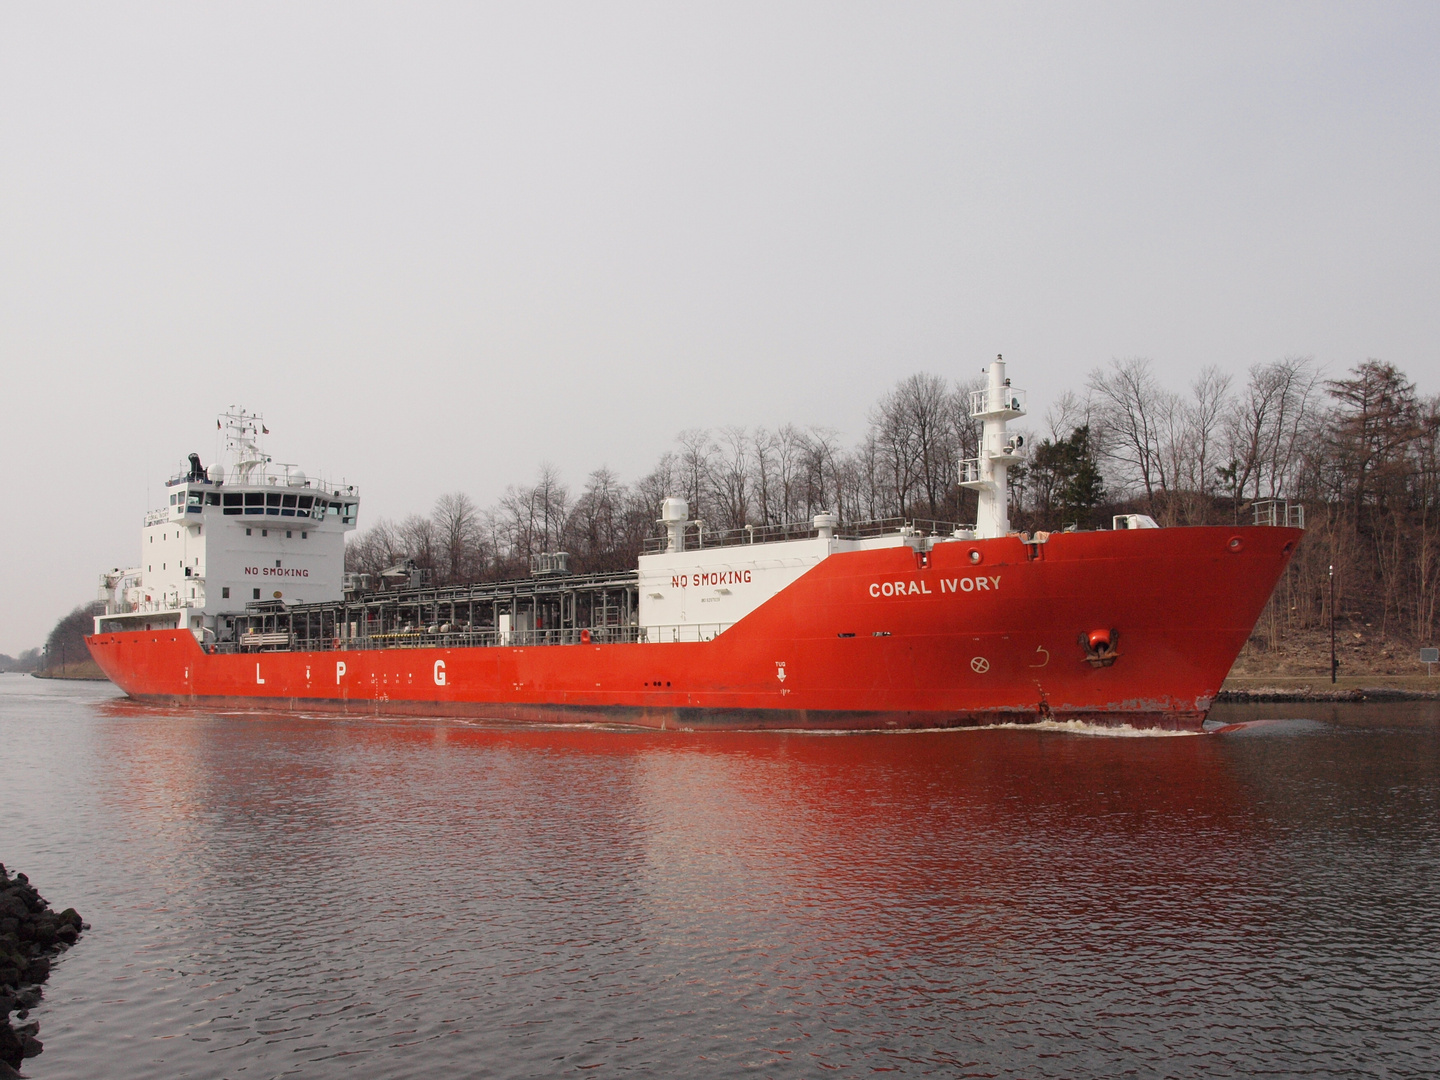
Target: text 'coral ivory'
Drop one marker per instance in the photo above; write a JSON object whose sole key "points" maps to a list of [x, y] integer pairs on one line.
{"points": [[922, 588]]}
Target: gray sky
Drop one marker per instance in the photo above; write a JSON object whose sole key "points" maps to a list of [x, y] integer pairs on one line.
{"points": [[437, 244]]}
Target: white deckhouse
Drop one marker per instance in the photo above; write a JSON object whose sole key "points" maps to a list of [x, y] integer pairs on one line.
{"points": [[239, 532]]}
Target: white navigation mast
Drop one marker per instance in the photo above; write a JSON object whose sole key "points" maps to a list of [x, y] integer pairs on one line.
{"points": [[242, 447], [996, 405]]}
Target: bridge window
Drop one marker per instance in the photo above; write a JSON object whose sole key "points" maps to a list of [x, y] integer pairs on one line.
{"points": [[254, 502]]}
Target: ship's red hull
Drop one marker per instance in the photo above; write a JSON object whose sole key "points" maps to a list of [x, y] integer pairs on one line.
{"points": [[831, 651]]}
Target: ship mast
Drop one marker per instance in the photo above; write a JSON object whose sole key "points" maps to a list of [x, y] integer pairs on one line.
{"points": [[242, 446], [986, 474]]}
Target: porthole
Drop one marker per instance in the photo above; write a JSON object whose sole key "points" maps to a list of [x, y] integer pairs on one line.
{"points": [[975, 556]]}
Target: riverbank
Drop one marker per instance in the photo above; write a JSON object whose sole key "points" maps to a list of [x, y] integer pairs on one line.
{"points": [[1373, 666], [1319, 688], [86, 670]]}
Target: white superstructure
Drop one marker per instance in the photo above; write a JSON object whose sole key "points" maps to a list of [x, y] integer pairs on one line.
{"points": [[242, 531], [695, 593]]}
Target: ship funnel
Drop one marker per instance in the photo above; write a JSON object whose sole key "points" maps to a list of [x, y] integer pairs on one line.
{"points": [[675, 515], [197, 471]]}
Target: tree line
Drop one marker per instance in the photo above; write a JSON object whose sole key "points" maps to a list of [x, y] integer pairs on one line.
{"points": [[1360, 452]]}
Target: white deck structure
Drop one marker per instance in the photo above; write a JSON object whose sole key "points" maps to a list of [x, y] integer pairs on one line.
{"points": [[240, 531]]}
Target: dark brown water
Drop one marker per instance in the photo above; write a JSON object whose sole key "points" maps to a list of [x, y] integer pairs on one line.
{"points": [[317, 896]]}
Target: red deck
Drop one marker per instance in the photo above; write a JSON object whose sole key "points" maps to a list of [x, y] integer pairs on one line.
{"points": [[939, 650]]}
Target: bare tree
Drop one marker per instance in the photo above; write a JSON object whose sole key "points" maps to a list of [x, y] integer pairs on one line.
{"points": [[863, 476], [457, 521], [374, 549], [533, 518], [596, 529], [660, 483], [729, 478], [821, 472], [1130, 407], [763, 476], [893, 430], [1267, 424], [696, 464], [420, 540], [924, 404], [1205, 414], [790, 458], [1066, 413]]}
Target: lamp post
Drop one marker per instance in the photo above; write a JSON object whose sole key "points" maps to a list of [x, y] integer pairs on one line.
{"points": [[1333, 663]]}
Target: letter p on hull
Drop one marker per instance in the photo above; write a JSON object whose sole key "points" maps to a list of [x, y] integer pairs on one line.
{"points": [[339, 671]]}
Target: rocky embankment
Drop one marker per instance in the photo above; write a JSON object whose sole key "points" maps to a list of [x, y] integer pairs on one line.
{"points": [[1293, 690], [30, 936]]}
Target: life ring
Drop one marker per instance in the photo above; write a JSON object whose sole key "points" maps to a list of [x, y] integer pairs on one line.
{"points": [[584, 637]]}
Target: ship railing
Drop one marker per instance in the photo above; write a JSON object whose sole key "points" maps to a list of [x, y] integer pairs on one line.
{"points": [[283, 478], [862, 530], [472, 638], [154, 607], [1003, 401], [697, 536], [698, 539], [1279, 513]]}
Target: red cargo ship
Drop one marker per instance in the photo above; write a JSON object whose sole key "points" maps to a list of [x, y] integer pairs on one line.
{"points": [[817, 627]]}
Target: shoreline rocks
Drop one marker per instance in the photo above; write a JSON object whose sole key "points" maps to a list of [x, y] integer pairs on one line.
{"points": [[1307, 692], [31, 935]]}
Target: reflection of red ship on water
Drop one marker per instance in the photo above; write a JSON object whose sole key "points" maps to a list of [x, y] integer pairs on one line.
{"points": [[242, 598]]}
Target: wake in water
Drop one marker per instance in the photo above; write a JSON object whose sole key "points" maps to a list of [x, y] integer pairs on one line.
{"points": [[1110, 731]]}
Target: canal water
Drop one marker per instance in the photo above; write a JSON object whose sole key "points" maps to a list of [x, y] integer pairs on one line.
{"points": [[311, 895]]}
